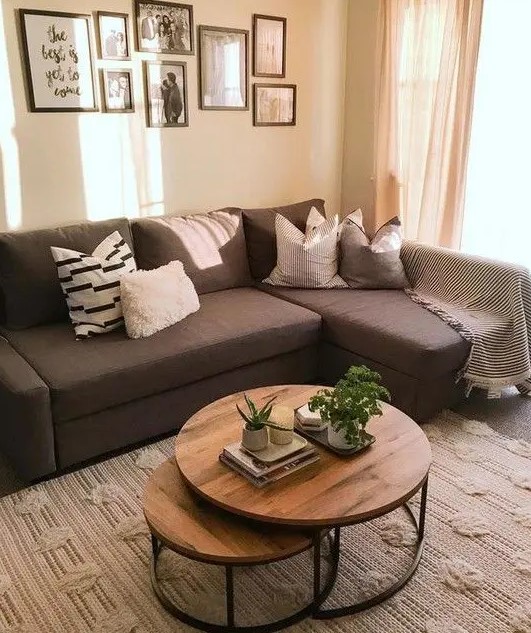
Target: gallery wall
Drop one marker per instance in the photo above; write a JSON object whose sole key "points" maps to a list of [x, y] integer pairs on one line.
{"points": [[65, 167]]}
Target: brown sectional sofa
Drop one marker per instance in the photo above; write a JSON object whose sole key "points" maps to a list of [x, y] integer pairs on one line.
{"points": [[63, 402]]}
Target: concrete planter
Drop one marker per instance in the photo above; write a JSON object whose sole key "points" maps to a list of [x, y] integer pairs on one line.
{"points": [[255, 440]]}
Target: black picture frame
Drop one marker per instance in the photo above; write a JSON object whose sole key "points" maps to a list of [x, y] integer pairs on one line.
{"points": [[31, 71], [171, 45], [103, 53], [259, 120], [119, 103], [258, 70], [203, 30], [156, 115]]}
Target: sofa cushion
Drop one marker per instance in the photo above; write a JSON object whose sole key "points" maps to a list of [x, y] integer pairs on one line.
{"points": [[306, 259], [232, 329], [259, 226], [210, 245], [91, 284], [384, 326], [31, 293]]}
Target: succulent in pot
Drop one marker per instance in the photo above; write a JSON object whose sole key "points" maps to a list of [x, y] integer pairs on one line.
{"points": [[348, 407], [255, 436]]}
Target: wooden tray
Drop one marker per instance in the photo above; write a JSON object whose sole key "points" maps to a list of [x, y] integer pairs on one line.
{"points": [[274, 452], [321, 438]]}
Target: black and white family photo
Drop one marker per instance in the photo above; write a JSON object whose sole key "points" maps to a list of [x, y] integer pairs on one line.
{"points": [[113, 35], [166, 94], [164, 27], [118, 90]]}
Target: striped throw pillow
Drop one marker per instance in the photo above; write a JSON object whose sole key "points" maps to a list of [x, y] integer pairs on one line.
{"points": [[91, 284], [307, 260]]}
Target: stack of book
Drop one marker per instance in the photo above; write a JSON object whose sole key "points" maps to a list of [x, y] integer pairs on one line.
{"points": [[261, 472]]}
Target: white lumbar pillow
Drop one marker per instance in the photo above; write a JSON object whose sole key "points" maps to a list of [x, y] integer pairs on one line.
{"points": [[310, 259], [152, 300]]}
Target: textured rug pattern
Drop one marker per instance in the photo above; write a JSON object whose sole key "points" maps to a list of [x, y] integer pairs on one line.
{"points": [[74, 552]]}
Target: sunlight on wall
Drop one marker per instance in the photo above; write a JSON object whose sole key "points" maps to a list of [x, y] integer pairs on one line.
{"points": [[9, 155], [150, 167], [108, 167], [122, 164], [497, 221]]}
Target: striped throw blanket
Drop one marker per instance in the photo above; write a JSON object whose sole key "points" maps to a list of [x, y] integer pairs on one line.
{"points": [[487, 302]]}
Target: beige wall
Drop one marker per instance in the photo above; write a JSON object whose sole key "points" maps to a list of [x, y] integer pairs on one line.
{"points": [[66, 167], [358, 159]]}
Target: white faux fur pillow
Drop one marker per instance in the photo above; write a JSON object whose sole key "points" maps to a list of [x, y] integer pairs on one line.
{"points": [[155, 299]]}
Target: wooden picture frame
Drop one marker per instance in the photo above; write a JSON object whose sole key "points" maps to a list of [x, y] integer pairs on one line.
{"points": [[58, 61], [110, 26], [164, 27], [272, 108], [117, 90], [161, 106], [269, 54], [234, 91]]}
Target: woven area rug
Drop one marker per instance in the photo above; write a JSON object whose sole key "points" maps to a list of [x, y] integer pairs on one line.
{"points": [[74, 552]]}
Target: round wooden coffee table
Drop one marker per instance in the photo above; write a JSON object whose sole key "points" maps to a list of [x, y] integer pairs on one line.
{"points": [[180, 521], [322, 498]]}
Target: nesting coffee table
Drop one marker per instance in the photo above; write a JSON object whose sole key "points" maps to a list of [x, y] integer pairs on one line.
{"points": [[202, 510]]}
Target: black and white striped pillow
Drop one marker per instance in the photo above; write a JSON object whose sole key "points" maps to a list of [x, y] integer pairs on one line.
{"points": [[307, 260], [91, 284]]}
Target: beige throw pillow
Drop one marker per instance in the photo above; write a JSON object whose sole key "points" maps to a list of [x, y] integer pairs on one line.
{"points": [[306, 260], [152, 300], [375, 263]]}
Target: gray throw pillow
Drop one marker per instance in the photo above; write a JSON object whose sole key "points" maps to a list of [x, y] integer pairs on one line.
{"points": [[371, 264]]}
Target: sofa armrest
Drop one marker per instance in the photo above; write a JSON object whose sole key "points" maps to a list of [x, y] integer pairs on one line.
{"points": [[437, 269], [26, 429]]}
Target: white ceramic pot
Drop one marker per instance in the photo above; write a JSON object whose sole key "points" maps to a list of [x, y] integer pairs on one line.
{"points": [[255, 440], [337, 439]]}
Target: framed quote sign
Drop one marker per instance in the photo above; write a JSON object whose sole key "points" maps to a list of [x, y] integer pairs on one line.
{"points": [[58, 61]]}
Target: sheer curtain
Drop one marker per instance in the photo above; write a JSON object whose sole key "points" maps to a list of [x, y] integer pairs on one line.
{"points": [[428, 57], [497, 219]]}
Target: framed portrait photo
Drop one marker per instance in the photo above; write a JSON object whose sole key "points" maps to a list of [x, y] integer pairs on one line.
{"points": [[223, 72], [275, 104], [113, 35], [164, 27], [117, 90], [58, 61], [269, 49], [166, 94]]}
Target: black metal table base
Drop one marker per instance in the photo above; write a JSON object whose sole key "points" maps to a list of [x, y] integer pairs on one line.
{"points": [[320, 591]]}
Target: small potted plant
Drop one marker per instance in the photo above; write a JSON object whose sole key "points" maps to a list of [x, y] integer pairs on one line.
{"points": [[255, 436], [348, 407]]}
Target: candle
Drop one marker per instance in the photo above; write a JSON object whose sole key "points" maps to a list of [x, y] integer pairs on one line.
{"points": [[284, 417]]}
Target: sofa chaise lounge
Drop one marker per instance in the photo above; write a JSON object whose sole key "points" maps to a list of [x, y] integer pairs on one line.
{"points": [[63, 401]]}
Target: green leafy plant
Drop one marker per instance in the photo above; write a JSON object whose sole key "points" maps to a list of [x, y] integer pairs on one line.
{"points": [[257, 418], [352, 403]]}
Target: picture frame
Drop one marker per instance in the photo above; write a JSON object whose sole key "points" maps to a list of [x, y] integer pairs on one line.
{"points": [[274, 105], [117, 90], [223, 87], [164, 27], [269, 46], [162, 108], [51, 40], [113, 35]]}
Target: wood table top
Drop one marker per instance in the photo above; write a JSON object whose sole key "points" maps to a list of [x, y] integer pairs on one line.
{"points": [[332, 492], [192, 527]]}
